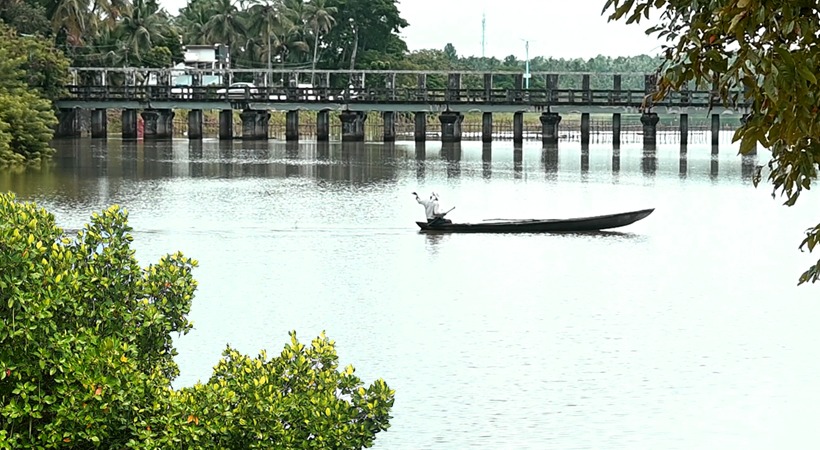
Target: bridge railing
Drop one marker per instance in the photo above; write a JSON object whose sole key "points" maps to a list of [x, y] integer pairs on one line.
{"points": [[524, 97]]}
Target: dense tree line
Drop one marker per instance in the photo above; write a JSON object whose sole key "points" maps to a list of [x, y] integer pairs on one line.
{"points": [[32, 74], [283, 34]]}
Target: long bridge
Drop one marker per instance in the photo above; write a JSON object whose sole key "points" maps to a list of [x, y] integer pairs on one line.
{"points": [[157, 93]]}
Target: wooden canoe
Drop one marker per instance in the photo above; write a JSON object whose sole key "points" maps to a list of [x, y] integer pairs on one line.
{"points": [[578, 224]]}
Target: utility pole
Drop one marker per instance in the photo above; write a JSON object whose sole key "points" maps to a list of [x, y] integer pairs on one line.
{"points": [[527, 64], [483, 31]]}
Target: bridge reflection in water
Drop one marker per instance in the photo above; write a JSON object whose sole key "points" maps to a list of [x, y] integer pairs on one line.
{"points": [[361, 162]]}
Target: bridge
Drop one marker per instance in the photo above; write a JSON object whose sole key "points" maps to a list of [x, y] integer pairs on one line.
{"points": [[157, 94]]}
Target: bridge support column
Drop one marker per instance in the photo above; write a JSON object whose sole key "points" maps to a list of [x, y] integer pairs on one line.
{"points": [[715, 132], [389, 118], [159, 123], [353, 125], [585, 129], [518, 128], [99, 123], [549, 128], [487, 127], [195, 124], [292, 126], [129, 123], [650, 122], [451, 126], [226, 125], [323, 126], [69, 123], [420, 132], [254, 124], [616, 130], [684, 129]]}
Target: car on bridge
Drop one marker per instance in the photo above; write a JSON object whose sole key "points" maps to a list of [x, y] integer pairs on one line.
{"points": [[238, 90]]}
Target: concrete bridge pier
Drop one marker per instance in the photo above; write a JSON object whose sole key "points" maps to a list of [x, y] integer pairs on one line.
{"points": [[487, 127], [420, 132], [226, 125], [684, 129], [353, 125], [69, 123], [616, 130], [584, 129], [451, 126], [518, 128], [650, 122], [549, 128], [292, 126], [195, 124], [389, 118], [323, 126], [129, 123], [159, 123], [255, 124], [99, 123], [715, 132]]}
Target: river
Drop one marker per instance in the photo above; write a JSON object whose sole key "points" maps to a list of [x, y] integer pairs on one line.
{"points": [[683, 331]]}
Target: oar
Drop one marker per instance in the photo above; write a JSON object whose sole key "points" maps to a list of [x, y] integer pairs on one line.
{"points": [[438, 219]]}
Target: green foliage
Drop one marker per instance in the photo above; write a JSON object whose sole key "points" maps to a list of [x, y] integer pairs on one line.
{"points": [[45, 68], [87, 356], [26, 118], [25, 17], [296, 400], [157, 57], [767, 49]]}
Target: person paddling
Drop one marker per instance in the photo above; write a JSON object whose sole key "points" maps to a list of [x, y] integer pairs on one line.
{"points": [[431, 210]]}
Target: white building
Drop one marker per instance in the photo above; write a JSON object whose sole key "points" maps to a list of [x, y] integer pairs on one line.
{"points": [[203, 57]]}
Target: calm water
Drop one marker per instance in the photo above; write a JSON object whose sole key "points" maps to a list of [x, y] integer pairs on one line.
{"points": [[683, 331]]}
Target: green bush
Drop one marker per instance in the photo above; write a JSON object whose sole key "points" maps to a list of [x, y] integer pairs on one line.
{"points": [[87, 357]]}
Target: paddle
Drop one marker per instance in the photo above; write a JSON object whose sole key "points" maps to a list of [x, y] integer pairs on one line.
{"points": [[437, 220]]}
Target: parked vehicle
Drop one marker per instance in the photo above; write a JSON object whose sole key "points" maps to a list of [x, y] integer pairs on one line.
{"points": [[238, 90]]}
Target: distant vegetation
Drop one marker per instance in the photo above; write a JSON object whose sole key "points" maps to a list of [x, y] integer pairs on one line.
{"points": [[283, 34]]}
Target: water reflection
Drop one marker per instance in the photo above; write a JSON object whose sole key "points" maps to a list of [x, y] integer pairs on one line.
{"points": [[549, 158], [518, 161], [487, 160], [433, 240], [451, 153], [91, 160], [421, 157], [584, 160], [291, 158], [649, 160], [616, 160], [748, 167], [130, 158]]}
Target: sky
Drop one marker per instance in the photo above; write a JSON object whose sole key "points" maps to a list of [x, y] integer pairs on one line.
{"points": [[554, 28]]}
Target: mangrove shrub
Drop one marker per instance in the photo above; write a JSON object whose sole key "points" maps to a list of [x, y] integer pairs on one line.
{"points": [[87, 356]]}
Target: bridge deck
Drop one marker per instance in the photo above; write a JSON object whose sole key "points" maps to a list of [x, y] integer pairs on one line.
{"points": [[391, 99]]}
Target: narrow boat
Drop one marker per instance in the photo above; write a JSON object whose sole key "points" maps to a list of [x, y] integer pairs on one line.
{"points": [[578, 224]]}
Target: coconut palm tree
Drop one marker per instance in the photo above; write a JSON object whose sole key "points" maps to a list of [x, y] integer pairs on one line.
{"points": [[320, 19], [264, 17], [141, 28], [226, 26]]}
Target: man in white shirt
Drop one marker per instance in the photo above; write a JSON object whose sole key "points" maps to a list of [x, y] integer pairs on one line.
{"points": [[431, 209]]}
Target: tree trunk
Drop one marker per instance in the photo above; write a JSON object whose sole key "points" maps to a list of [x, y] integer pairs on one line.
{"points": [[315, 50], [355, 49]]}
